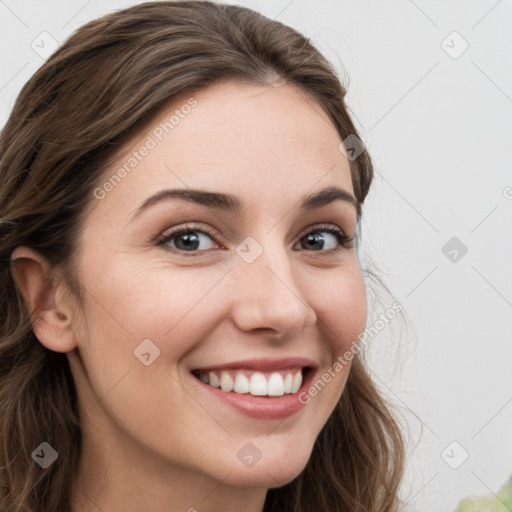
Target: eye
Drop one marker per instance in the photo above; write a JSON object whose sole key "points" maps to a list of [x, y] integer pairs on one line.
{"points": [[335, 240], [324, 238], [188, 239]]}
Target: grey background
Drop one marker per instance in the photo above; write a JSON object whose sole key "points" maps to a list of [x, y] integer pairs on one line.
{"points": [[439, 130]]}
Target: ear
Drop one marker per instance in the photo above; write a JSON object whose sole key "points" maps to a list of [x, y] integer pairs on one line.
{"points": [[51, 314]]}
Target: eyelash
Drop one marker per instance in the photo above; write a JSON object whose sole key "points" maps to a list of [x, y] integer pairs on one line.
{"points": [[344, 240]]}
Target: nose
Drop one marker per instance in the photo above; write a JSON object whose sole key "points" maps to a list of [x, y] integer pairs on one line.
{"points": [[266, 295]]}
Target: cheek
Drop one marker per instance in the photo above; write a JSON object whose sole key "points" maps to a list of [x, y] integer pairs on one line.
{"points": [[133, 302], [341, 308], [141, 323], [136, 316]]}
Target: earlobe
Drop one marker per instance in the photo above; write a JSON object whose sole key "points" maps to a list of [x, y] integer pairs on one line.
{"points": [[51, 315]]}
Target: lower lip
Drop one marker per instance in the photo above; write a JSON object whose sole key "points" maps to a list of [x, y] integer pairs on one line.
{"points": [[265, 407]]}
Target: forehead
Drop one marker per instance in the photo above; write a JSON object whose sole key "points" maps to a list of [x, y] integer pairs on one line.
{"points": [[235, 137], [269, 122]]}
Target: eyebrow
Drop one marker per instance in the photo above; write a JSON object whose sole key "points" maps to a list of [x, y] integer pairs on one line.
{"points": [[233, 204]]}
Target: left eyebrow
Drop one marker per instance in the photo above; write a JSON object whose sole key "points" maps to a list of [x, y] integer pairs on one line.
{"points": [[327, 196], [233, 204]]}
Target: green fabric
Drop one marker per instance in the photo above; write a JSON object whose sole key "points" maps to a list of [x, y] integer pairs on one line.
{"points": [[500, 502]]}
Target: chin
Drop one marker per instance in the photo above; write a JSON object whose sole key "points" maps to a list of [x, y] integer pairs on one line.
{"points": [[261, 478], [274, 472]]}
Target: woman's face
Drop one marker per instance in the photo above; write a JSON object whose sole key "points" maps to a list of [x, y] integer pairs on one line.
{"points": [[242, 295]]}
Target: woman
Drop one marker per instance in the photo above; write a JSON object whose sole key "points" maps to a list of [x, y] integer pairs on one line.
{"points": [[182, 192]]}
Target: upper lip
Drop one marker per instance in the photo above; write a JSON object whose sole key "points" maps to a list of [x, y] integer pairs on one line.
{"points": [[262, 365]]}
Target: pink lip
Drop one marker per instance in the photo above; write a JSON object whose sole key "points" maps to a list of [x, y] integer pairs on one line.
{"points": [[264, 407], [262, 365]]}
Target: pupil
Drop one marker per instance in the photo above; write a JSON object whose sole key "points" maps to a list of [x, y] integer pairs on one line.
{"points": [[190, 240], [315, 238]]}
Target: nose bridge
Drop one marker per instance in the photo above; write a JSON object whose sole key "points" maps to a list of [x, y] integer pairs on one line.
{"points": [[267, 292]]}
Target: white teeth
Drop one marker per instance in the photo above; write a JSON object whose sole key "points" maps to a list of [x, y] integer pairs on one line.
{"points": [[226, 382], [275, 385], [297, 382], [213, 380], [287, 383], [241, 383], [258, 384]]}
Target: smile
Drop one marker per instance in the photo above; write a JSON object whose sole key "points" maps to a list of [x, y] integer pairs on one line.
{"points": [[264, 389], [255, 383]]}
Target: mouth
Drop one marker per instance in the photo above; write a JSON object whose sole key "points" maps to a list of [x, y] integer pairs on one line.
{"points": [[257, 383], [261, 389]]}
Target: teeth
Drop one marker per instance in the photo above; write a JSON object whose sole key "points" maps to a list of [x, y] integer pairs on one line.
{"points": [[254, 383], [241, 384], [226, 382], [288, 383], [213, 380], [258, 384], [297, 382], [275, 385]]}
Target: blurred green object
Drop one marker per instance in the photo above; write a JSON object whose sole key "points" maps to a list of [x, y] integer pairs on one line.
{"points": [[501, 502]]}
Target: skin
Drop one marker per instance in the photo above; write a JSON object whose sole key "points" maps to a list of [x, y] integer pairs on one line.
{"points": [[152, 438]]}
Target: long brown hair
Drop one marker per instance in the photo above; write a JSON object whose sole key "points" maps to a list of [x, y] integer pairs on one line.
{"points": [[94, 93]]}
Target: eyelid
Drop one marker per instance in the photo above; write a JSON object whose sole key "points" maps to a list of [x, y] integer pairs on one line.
{"points": [[319, 226]]}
